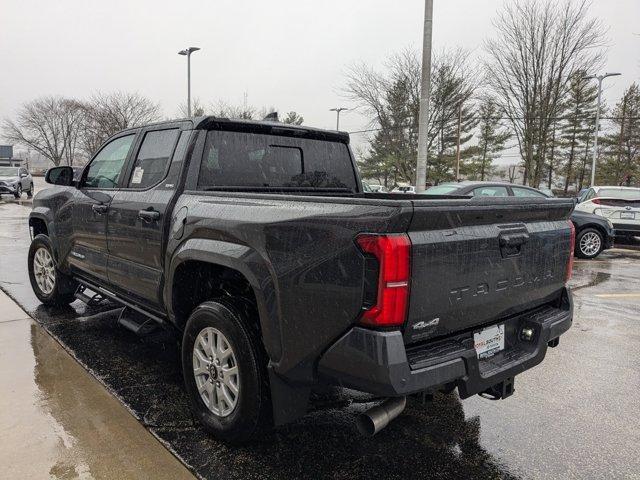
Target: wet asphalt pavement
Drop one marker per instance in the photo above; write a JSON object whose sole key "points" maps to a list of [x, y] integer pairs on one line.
{"points": [[574, 416]]}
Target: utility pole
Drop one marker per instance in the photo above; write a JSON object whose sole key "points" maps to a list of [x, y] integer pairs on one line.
{"points": [[338, 110], [600, 78], [425, 91], [458, 145], [188, 52]]}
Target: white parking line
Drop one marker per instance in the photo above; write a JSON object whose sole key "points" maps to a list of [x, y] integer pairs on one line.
{"points": [[617, 295]]}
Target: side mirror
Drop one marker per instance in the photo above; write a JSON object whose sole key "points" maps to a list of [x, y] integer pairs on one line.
{"points": [[60, 176]]}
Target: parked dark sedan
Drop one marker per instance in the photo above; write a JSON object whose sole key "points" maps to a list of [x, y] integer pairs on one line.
{"points": [[593, 232]]}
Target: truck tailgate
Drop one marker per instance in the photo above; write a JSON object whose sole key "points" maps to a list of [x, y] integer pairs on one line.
{"points": [[479, 260]]}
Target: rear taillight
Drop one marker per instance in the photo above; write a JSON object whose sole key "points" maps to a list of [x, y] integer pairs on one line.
{"points": [[393, 253], [597, 201], [572, 246]]}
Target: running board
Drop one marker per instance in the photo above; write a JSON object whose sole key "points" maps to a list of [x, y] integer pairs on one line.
{"points": [[91, 300], [112, 296], [138, 323]]}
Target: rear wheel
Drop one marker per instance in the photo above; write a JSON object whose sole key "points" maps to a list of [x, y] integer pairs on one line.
{"points": [[589, 243], [18, 193], [30, 192], [51, 286], [225, 375]]}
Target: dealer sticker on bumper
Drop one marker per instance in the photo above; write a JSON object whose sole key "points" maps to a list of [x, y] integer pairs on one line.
{"points": [[489, 341]]}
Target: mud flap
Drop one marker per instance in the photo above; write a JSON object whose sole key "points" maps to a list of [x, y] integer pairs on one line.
{"points": [[289, 401]]}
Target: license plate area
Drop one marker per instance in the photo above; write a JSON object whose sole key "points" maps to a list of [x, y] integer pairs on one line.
{"points": [[628, 215], [489, 341]]}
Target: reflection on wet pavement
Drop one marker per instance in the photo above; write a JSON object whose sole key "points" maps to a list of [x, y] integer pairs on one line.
{"points": [[572, 416], [58, 422]]}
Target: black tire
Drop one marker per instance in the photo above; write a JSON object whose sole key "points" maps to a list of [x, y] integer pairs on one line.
{"points": [[592, 245], [30, 192], [64, 286], [252, 414], [18, 193]]}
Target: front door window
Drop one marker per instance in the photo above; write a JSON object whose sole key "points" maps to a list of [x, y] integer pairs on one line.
{"points": [[106, 167]]}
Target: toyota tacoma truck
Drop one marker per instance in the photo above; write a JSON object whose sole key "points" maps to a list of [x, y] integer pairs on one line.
{"points": [[256, 243]]}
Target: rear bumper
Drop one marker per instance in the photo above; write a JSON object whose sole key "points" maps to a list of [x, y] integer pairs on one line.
{"points": [[7, 189], [379, 363], [626, 230]]}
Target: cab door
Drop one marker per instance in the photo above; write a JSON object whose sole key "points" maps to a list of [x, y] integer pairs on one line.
{"points": [[92, 199], [140, 213]]}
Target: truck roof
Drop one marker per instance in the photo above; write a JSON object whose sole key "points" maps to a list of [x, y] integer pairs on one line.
{"points": [[258, 126]]}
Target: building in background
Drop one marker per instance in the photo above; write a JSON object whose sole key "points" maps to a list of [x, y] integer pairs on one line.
{"points": [[6, 157]]}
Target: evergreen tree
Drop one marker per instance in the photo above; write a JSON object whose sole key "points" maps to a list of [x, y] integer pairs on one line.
{"points": [[491, 139], [579, 110], [620, 162]]}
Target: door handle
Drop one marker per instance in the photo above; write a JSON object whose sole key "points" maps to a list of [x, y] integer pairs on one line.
{"points": [[149, 215], [99, 208]]}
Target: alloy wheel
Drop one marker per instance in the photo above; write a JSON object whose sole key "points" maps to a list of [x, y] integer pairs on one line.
{"points": [[590, 243], [44, 271], [215, 369]]}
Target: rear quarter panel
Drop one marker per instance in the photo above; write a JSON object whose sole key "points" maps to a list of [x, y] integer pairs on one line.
{"points": [[299, 255]]}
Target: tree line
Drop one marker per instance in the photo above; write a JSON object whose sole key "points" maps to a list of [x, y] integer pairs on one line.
{"points": [[528, 92], [69, 131]]}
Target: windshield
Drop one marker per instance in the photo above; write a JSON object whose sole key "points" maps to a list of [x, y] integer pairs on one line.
{"points": [[8, 172], [626, 194], [441, 189]]}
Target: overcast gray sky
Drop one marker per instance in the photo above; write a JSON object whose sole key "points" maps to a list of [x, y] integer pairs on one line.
{"points": [[290, 54]]}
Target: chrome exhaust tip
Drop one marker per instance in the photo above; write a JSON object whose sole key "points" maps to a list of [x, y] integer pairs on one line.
{"points": [[376, 418]]}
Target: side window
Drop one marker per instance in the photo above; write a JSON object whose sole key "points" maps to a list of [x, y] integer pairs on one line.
{"points": [[107, 165], [153, 158], [525, 192], [491, 192], [591, 193]]}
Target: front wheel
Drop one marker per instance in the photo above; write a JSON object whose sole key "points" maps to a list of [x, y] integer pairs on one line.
{"points": [[589, 243], [51, 286], [225, 375]]}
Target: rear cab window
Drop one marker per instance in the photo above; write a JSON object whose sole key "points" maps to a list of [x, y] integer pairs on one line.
{"points": [[237, 160]]}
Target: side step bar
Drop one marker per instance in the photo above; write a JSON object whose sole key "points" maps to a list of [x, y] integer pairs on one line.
{"points": [[138, 323], [104, 294], [91, 300]]}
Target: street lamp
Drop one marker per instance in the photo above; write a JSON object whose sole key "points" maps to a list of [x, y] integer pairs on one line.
{"points": [[600, 78], [338, 110], [188, 52]]}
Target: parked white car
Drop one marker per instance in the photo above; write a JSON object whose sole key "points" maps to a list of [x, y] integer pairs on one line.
{"points": [[15, 180], [378, 188], [620, 205], [405, 189]]}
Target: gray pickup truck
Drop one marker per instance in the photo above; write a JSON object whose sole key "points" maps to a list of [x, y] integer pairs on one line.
{"points": [[256, 243]]}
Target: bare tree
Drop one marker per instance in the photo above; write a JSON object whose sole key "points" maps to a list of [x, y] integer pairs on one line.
{"points": [[49, 125], [197, 109], [539, 46], [106, 114]]}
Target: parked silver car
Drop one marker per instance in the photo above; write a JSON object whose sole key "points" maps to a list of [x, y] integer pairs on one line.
{"points": [[15, 180]]}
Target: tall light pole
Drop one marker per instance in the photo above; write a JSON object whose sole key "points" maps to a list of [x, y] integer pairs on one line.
{"points": [[425, 91], [338, 110], [188, 52], [600, 78]]}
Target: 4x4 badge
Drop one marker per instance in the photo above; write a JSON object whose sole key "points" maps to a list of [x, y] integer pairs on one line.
{"points": [[423, 324]]}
